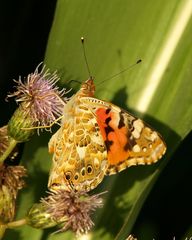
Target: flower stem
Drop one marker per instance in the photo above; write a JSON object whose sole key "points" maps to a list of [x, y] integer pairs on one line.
{"points": [[2, 231], [17, 223], [12, 144], [13, 224]]}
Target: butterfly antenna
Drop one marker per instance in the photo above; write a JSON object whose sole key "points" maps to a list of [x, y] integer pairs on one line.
{"points": [[85, 56], [124, 70]]}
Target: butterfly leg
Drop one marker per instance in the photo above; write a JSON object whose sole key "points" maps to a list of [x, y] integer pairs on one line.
{"points": [[52, 142], [48, 126]]}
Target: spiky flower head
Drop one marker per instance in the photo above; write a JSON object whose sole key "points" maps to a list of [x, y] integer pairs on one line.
{"points": [[70, 210], [40, 103], [10, 183]]}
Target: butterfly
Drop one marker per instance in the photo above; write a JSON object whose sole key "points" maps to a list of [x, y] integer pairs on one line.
{"points": [[98, 138]]}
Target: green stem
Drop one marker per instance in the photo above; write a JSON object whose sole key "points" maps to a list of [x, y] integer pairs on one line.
{"points": [[2, 231], [12, 144], [13, 224], [17, 223]]}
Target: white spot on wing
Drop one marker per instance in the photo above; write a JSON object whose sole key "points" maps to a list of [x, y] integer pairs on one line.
{"points": [[81, 152], [136, 148], [138, 126], [136, 134], [153, 136]]}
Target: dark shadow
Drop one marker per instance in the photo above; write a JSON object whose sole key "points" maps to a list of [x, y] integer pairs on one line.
{"points": [[15, 157], [24, 29], [120, 98], [167, 211], [12, 234], [47, 232]]}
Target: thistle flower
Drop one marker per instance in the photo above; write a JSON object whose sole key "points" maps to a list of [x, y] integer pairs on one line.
{"points": [[71, 210], [40, 103], [10, 182]]}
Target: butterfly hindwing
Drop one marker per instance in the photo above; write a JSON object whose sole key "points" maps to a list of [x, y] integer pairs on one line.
{"points": [[80, 157]]}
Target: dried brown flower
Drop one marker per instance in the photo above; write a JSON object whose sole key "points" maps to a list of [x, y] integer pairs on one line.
{"points": [[3, 139], [10, 182]]}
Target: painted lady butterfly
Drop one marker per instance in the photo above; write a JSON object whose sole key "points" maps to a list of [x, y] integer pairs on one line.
{"points": [[97, 138]]}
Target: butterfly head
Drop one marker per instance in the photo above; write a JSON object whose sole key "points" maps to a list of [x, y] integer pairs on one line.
{"points": [[88, 88]]}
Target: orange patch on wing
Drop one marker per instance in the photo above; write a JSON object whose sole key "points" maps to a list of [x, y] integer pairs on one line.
{"points": [[116, 139], [117, 152]]}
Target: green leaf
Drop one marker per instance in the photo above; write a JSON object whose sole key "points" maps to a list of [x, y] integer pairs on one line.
{"points": [[118, 33]]}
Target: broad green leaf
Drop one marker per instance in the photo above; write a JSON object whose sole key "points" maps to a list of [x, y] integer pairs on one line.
{"points": [[117, 34]]}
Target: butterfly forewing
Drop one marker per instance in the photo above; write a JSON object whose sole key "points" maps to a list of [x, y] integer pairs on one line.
{"points": [[129, 141]]}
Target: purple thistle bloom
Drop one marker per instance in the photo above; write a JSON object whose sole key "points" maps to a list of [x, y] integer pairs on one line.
{"points": [[74, 207], [40, 97]]}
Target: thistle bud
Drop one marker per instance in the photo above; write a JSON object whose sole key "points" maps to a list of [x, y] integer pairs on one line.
{"points": [[20, 120], [39, 217]]}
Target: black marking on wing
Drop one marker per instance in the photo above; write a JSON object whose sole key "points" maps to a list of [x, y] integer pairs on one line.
{"points": [[130, 143], [108, 129], [107, 110], [107, 120], [121, 121], [130, 125], [108, 144]]}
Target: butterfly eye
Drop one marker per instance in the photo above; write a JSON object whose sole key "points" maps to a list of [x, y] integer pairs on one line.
{"points": [[68, 176], [89, 169]]}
